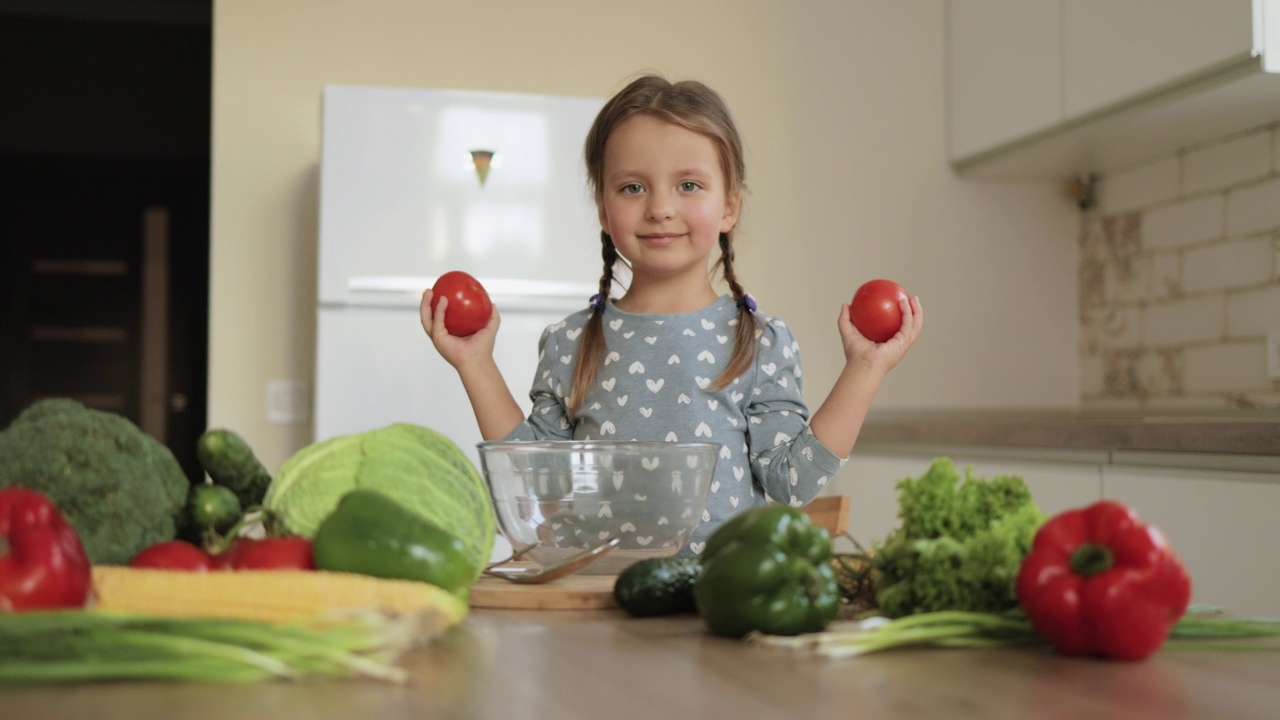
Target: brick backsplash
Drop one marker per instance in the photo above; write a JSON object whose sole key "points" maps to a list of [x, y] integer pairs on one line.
{"points": [[1179, 282]]}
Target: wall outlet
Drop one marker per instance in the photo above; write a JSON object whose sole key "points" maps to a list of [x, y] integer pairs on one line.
{"points": [[1273, 353], [288, 402]]}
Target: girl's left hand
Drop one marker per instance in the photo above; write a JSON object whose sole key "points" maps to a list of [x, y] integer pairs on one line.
{"points": [[857, 348]]}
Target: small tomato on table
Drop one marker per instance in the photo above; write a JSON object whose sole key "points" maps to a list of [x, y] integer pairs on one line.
{"points": [[1097, 581], [173, 555]]}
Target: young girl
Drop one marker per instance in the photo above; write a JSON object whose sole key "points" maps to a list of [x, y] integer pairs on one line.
{"points": [[669, 359]]}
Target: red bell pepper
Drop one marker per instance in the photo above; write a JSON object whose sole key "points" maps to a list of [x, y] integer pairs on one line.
{"points": [[1097, 581], [42, 562]]}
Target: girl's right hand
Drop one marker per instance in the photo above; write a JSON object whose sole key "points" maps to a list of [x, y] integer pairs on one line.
{"points": [[457, 351]]}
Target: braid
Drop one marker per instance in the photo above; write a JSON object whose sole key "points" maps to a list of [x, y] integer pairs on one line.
{"points": [[744, 339], [592, 347]]}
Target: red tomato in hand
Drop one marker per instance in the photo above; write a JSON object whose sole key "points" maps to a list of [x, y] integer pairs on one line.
{"points": [[173, 555], [875, 311], [279, 553], [469, 305]]}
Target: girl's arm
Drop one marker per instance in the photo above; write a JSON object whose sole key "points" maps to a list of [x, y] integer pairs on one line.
{"points": [[494, 406], [839, 420]]}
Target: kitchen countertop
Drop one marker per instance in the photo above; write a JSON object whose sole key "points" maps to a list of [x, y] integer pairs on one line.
{"points": [[602, 664], [1237, 433]]}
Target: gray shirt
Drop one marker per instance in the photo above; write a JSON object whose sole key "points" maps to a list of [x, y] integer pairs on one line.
{"points": [[655, 382]]}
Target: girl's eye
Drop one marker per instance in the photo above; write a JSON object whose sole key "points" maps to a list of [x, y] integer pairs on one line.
{"points": [[632, 188], [689, 186]]}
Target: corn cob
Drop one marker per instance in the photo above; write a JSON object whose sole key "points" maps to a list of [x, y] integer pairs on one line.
{"points": [[269, 595]]}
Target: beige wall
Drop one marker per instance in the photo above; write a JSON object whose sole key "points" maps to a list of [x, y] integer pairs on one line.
{"points": [[843, 113]]}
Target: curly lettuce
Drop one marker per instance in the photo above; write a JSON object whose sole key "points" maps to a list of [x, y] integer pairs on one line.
{"points": [[959, 545]]}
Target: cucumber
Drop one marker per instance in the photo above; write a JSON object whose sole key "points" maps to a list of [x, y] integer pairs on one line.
{"points": [[230, 462], [658, 586], [213, 507]]}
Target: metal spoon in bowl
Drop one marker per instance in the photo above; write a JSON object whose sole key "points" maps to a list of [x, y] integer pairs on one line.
{"points": [[568, 566]]}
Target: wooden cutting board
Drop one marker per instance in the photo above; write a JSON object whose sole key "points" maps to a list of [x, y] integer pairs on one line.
{"points": [[576, 592]]}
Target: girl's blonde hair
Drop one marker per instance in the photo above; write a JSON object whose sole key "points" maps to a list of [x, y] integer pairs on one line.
{"points": [[698, 108]]}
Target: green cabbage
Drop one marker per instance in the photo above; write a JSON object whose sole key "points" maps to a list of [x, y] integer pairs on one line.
{"points": [[418, 467]]}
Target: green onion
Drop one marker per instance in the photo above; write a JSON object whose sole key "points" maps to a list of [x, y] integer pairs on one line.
{"points": [[82, 645], [1198, 630]]}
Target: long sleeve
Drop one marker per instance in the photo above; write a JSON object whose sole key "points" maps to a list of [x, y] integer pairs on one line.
{"points": [[548, 419], [789, 462]]}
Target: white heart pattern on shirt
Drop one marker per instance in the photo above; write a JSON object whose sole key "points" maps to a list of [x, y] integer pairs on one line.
{"points": [[781, 439], [566, 359], [573, 334], [673, 360], [822, 481], [606, 428], [650, 463], [689, 332], [627, 527], [605, 511], [671, 436], [683, 399], [702, 382], [786, 352], [713, 403], [736, 397], [647, 412], [663, 520], [725, 453], [706, 516], [708, 324], [613, 356], [636, 367], [766, 342], [655, 385], [722, 339], [769, 369], [707, 357], [628, 334], [642, 541], [697, 547], [703, 430], [651, 339], [793, 476], [733, 500], [615, 324], [715, 485], [782, 381], [608, 384], [737, 472], [622, 400]]}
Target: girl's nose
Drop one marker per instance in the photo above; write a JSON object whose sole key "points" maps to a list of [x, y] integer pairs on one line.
{"points": [[659, 206]]}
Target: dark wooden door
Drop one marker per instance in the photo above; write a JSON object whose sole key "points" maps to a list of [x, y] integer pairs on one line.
{"points": [[103, 290]]}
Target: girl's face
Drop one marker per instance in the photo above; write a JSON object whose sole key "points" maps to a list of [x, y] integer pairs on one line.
{"points": [[665, 199]]}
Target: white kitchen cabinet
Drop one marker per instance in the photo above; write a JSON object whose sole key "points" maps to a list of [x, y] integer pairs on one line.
{"points": [[1222, 524], [1115, 50], [1004, 71], [1057, 89]]}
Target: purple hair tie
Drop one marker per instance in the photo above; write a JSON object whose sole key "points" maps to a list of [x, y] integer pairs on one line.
{"points": [[596, 302], [747, 302]]}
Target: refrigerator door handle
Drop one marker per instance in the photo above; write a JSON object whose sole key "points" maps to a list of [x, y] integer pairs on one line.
{"points": [[508, 294]]}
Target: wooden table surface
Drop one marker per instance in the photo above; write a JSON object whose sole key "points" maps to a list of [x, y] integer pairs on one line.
{"points": [[602, 664]]}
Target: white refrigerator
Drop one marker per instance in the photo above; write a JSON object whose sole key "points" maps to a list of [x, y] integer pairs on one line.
{"points": [[417, 182]]}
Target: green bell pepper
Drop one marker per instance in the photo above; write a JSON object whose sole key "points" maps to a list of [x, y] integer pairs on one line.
{"points": [[371, 534], [767, 569]]}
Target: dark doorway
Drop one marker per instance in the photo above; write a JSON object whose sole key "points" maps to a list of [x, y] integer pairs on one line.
{"points": [[104, 210]]}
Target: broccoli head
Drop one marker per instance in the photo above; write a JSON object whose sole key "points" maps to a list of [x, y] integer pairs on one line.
{"points": [[121, 489], [959, 545]]}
